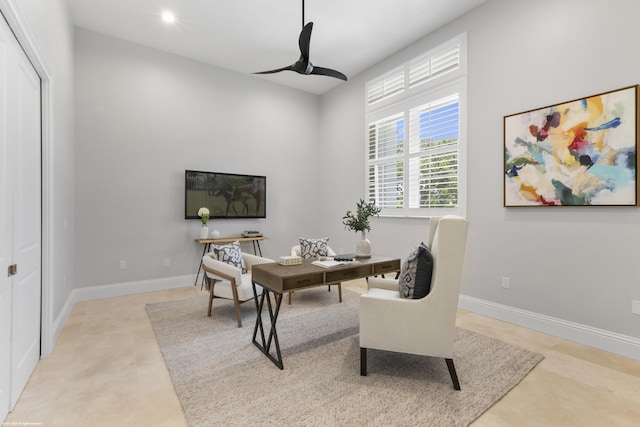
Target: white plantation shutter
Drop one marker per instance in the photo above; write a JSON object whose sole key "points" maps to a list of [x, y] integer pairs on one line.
{"points": [[433, 172], [386, 153], [435, 124], [386, 86], [415, 146], [434, 181], [384, 138], [434, 65], [386, 182]]}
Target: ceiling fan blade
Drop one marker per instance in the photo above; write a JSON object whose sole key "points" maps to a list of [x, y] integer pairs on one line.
{"points": [[328, 72], [287, 68], [303, 65], [305, 40]]}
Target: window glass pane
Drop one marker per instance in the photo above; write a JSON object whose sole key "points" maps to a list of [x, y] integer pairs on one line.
{"points": [[434, 181], [436, 124]]}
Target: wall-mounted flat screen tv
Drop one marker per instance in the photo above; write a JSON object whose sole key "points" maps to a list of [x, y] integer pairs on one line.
{"points": [[227, 195]]}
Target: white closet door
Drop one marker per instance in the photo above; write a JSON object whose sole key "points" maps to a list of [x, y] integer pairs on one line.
{"points": [[27, 226], [5, 233], [22, 225]]}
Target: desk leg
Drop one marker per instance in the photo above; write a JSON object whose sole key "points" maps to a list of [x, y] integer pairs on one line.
{"points": [[257, 242], [265, 346]]}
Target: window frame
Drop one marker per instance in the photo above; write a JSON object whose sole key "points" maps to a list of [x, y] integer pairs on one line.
{"points": [[401, 103]]}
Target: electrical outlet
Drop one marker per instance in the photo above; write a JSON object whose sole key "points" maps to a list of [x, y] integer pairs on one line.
{"points": [[635, 307], [123, 264], [506, 282], [167, 262]]}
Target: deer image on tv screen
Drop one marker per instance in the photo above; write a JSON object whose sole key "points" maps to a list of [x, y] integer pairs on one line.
{"points": [[225, 195]]}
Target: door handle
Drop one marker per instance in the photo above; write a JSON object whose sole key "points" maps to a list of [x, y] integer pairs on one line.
{"points": [[12, 270]]}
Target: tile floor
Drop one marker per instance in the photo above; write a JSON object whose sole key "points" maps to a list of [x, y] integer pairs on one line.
{"points": [[107, 370]]}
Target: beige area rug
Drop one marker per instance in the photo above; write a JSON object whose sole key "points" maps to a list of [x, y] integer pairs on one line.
{"points": [[222, 379]]}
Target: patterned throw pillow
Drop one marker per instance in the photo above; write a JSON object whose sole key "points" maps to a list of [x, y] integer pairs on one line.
{"points": [[415, 275], [230, 254], [312, 248]]}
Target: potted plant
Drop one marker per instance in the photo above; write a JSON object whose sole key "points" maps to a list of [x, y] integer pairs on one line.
{"points": [[203, 213], [358, 221]]}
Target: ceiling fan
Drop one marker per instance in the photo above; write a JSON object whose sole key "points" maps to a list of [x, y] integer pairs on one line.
{"points": [[304, 65]]}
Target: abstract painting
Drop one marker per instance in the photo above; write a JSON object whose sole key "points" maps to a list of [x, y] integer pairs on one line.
{"points": [[578, 153]]}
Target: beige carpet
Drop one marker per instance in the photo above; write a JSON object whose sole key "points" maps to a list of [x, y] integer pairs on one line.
{"points": [[222, 379]]}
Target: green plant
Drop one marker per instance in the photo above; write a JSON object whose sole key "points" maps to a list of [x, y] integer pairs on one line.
{"points": [[359, 221]]}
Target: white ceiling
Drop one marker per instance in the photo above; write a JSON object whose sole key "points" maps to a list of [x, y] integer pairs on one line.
{"points": [[256, 35]]}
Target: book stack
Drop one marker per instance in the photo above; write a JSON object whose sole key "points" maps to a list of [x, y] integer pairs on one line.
{"points": [[290, 260]]}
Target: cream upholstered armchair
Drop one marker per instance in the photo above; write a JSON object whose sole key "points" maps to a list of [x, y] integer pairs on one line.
{"points": [[228, 281], [296, 251], [423, 326]]}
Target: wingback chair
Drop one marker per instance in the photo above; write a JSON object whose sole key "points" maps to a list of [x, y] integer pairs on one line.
{"points": [[296, 251], [423, 326], [227, 281]]}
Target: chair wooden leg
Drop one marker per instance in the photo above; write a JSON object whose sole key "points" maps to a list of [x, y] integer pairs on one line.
{"points": [[340, 292], [212, 283], [236, 302], [452, 372], [290, 292], [237, 307], [363, 361]]}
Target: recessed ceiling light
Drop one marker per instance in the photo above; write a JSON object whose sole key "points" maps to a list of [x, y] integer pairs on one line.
{"points": [[168, 17]]}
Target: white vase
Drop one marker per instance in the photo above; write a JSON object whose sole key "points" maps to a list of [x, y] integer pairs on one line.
{"points": [[204, 231], [363, 248], [215, 234]]}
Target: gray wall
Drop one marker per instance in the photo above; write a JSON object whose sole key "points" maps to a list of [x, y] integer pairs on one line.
{"points": [[142, 118], [575, 264]]}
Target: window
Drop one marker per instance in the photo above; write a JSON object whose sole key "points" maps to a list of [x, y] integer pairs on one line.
{"points": [[415, 139]]}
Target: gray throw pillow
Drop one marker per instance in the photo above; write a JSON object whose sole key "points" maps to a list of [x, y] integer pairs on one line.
{"points": [[230, 254], [415, 275], [312, 248]]}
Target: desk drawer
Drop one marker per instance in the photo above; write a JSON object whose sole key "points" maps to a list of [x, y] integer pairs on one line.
{"points": [[302, 281], [350, 274], [387, 267]]}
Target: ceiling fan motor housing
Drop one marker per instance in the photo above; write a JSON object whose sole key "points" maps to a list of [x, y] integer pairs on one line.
{"points": [[309, 68]]}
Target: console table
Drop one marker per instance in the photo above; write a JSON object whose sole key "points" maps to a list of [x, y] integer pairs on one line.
{"points": [[278, 279], [224, 240]]}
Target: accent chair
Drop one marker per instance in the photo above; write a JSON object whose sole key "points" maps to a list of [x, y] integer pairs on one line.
{"points": [[424, 326], [229, 282]]}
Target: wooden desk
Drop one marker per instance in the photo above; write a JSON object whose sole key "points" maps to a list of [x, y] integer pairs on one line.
{"points": [[278, 279], [224, 240]]}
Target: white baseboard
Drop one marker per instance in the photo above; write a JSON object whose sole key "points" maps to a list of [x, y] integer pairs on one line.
{"points": [[108, 291], [129, 288], [622, 345], [58, 324]]}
